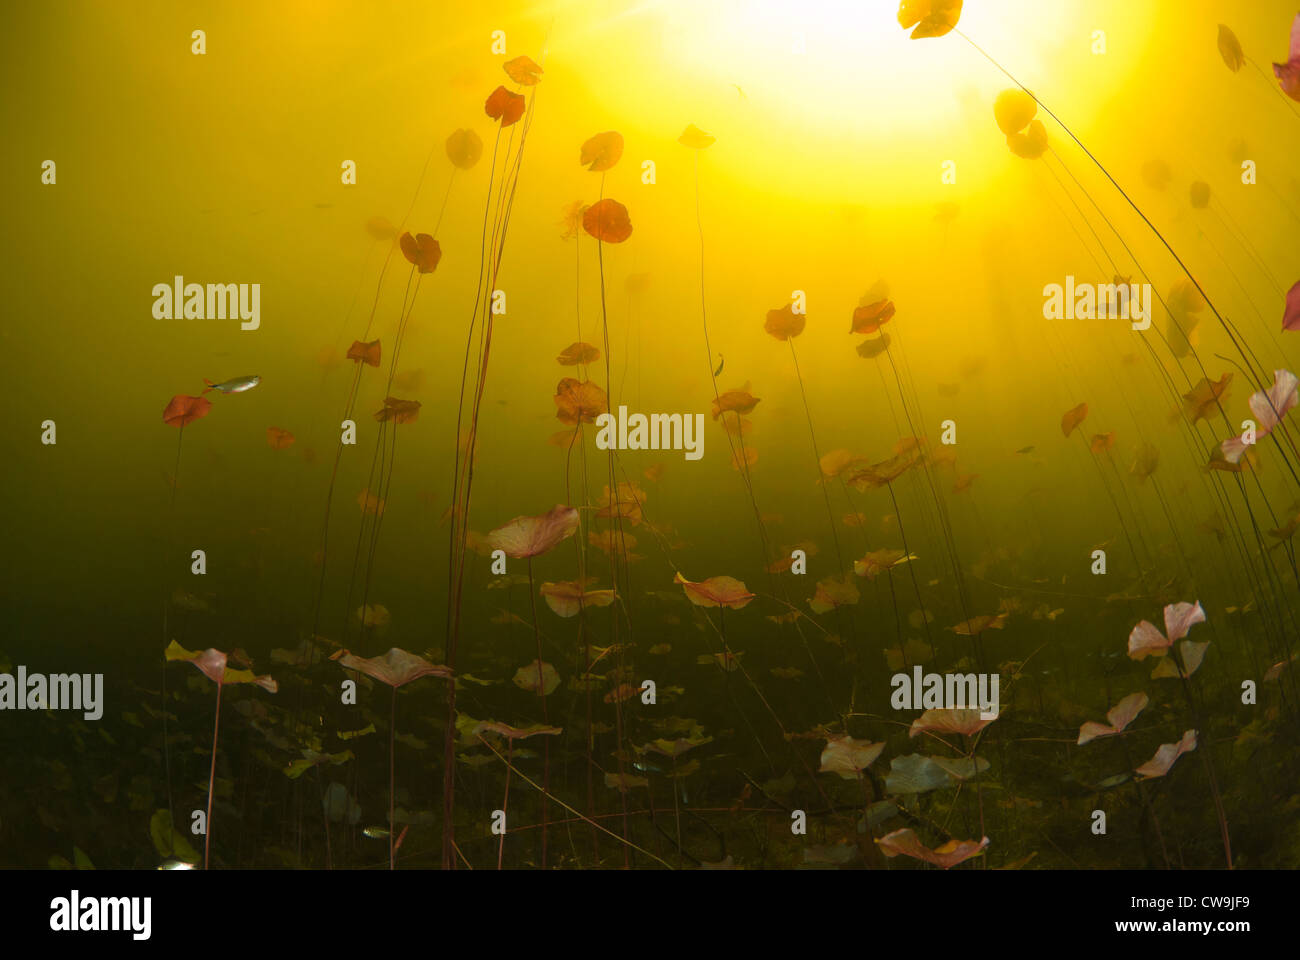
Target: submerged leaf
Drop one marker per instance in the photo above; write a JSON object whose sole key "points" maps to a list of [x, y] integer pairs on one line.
{"points": [[848, 757], [695, 138], [602, 151], [1117, 718], [396, 668], [964, 721], [168, 841], [1013, 109], [1230, 49], [715, 592], [569, 597], [783, 323], [1166, 754], [182, 410], [504, 106], [932, 18], [953, 852], [525, 537], [870, 318], [421, 250], [607, 220], [464, 148], [523, 71], [538, 677], [212, 663], [1073, 417], [1291, 315]]}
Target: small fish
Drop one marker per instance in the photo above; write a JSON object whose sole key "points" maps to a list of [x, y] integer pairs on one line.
{"points": [[1028, 449], [375, 833], [237, 385], [721, 361]]}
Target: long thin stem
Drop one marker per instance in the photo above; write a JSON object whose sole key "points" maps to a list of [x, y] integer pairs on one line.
{"points": [[212, 775], [505, 803], [392, 735], [541, 689]]}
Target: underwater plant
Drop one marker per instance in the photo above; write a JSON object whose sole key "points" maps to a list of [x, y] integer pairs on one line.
{"points": [[524, 538], [212, 664], [511, 734], [396, 669]]}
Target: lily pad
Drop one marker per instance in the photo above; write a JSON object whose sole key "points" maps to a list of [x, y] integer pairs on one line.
{"points": [[168, 841]]}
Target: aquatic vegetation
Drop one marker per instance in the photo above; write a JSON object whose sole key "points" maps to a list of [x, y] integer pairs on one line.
{"points": [[938, 526], [182, 410], [212, 664], [569, 598], [1291, 316], [464, 148], [1269, 407], [720, 591], [870, 318], [607, 221], [947, 855], [1147, 640], [367, 353], [602, 151], [1288, 74], [848, 757], [931, 18], [1230, 49], [422, 251], [1118, 718], [1165, 756], [396, 668], [504, 106]]}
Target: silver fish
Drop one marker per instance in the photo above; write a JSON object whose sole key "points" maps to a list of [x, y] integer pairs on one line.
{"points": [[237, 385]]}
